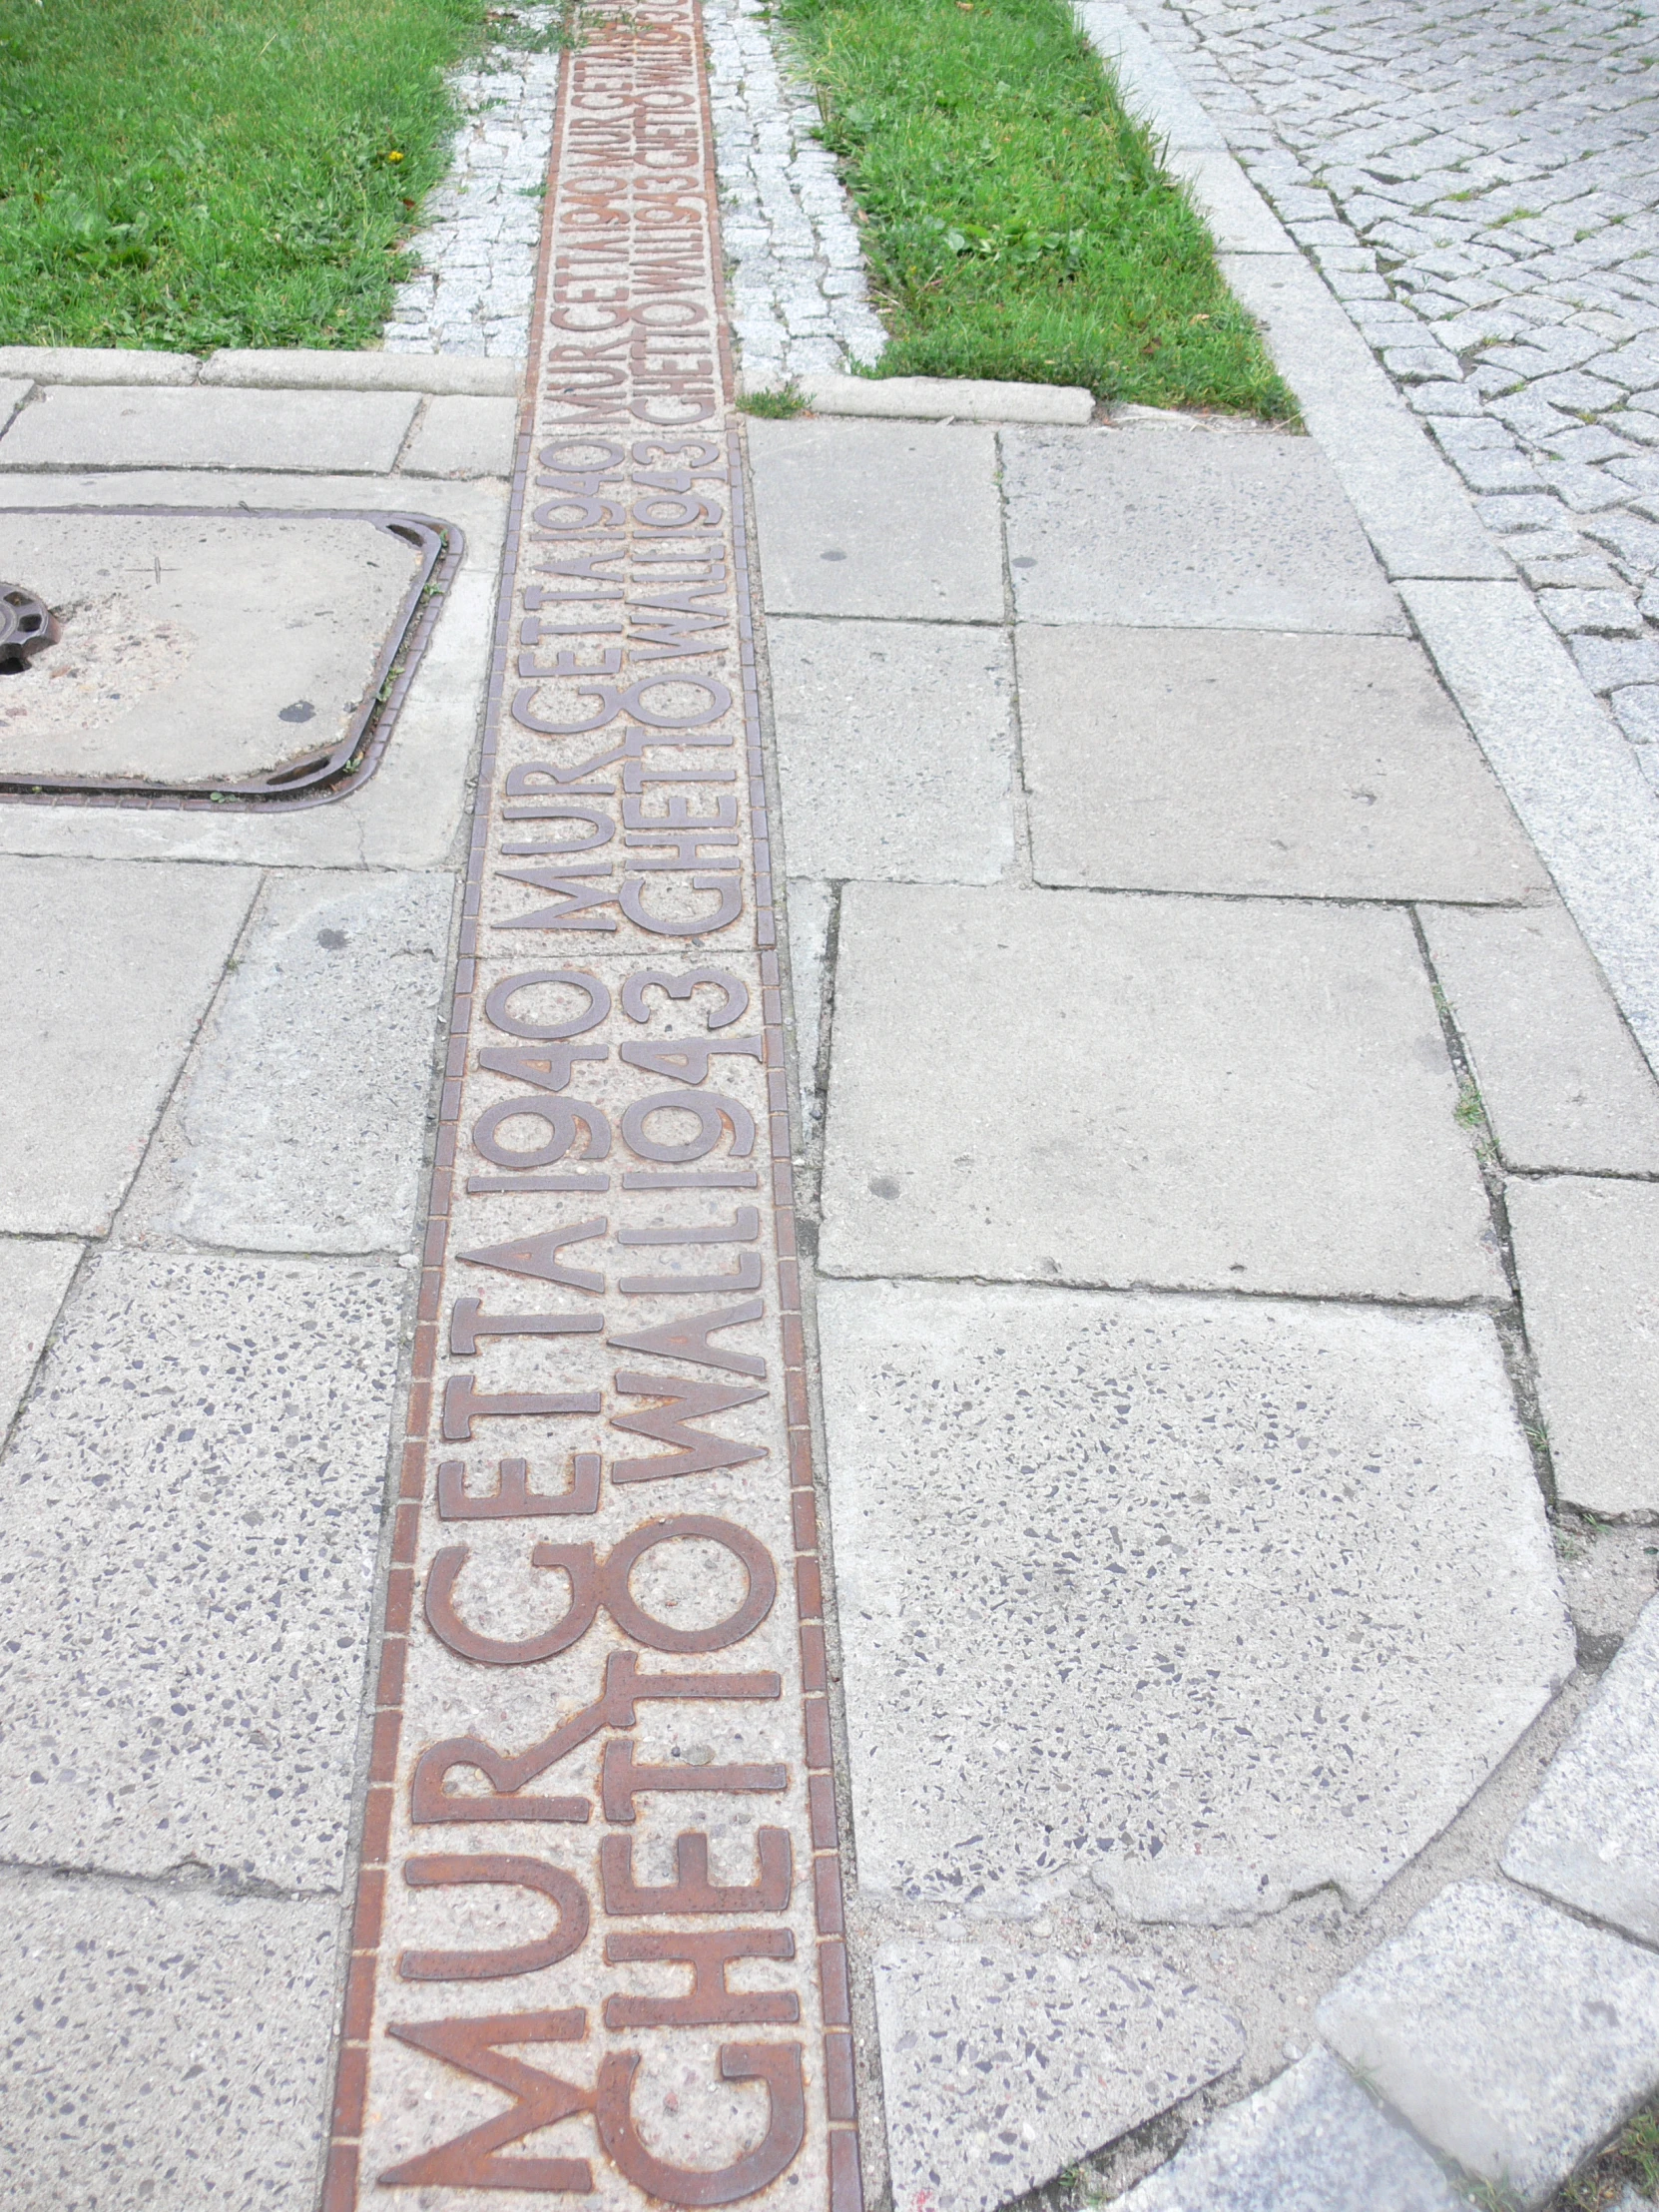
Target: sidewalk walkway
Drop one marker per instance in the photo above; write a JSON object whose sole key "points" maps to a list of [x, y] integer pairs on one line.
{"points": [[1019, 1528]]}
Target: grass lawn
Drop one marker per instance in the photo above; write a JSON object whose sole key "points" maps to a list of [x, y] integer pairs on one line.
{"points": [[198, 173], [1016, 223]]}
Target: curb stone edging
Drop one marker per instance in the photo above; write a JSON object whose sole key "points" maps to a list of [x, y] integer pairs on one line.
{"points": [[948, 398], [1567, 772], [272, 369]]}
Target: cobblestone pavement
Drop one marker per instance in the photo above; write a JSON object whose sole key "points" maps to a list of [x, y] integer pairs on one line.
{"points": [[478, 252], [796, 284], [1479, 184], [798, 298]]}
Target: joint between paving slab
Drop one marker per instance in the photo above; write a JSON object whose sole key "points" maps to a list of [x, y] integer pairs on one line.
{"points": [[189, 1877], [1509, 1321]]}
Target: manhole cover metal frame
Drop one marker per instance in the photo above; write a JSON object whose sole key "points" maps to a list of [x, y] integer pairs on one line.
{"points": [[325, 775]]}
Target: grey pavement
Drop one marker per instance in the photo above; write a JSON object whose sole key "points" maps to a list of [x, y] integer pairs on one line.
{"points": [[221, 1031], [1221, 976], [1231, 1172]]}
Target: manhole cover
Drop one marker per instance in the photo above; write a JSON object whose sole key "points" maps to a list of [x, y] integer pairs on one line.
{"points": [[208, 657], [25, 626]]}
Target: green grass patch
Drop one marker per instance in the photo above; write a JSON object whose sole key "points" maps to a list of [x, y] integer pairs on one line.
{"points": [[199, 173], [1015, 220]]}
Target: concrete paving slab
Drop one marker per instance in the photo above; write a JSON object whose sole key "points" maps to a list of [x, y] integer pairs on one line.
{"points": [[1513, 2039], [1563, 1082], [897, 520], [948, 399], [1205, 1603], [1591, 1835], [72, 426], [34, 1275], [13, 393], [1000, 2067], [1311, 2141], [895, 749], [163, 2046], [1571, 776], [112, 968], [409, 813], [169, 664], [195, 1495], [463, 435], [302, 368], [1153, 530], [1238, 761], [301, 1123], [1409, 501], [1588, 1255], [97, 364], [1145, 1091]]}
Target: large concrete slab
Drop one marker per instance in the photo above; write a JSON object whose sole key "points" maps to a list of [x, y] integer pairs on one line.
{"points": [[895, 519], [198, 646], [111, 967], [1563, 1080], [300, 1122], [164, 2047], [34, 1275], [194, 1494], [895, 748], [1250, 761], [83, 426], [1187, 1093], [1514, 2039], [1207, 1603], [1588, 1255], [1311, 2141], [1180, 527], [999, 2066], [1591, 1835]]}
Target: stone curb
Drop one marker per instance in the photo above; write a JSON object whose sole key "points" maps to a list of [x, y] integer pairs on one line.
{"points": [[1603, 856], [299, 370], [942, 399]]}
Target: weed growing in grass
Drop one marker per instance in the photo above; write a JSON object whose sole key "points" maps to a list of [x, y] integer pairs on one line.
{"points": [[201, 172], [1015, 220]]}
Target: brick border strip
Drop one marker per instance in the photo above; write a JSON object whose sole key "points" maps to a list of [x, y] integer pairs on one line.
{"points": [[350, 2178]]}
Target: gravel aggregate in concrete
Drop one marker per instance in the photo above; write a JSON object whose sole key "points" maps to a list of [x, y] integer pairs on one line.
{"points": [[1000, 2066], [1207, 1603], [163, 2046], [195, 1493]]}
